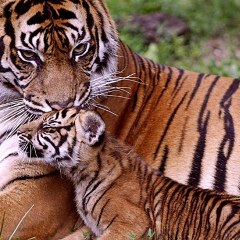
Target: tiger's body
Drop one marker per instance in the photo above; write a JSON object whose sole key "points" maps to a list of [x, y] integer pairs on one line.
{"points": [[118, 193], [57, 54]]}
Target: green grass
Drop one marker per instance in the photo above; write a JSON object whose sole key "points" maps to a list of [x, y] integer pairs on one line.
{"points": [[86, 235], [209, 21], [150, 235]]}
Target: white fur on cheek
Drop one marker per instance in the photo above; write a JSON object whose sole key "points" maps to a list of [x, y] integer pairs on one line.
{"points": [[8, 147], [9, 160]]}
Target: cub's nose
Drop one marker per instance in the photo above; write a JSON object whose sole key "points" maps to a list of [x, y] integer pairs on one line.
{"points": [[19, 132]]}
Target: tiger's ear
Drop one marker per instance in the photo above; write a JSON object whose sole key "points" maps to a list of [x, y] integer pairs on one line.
{"points": [[90, 126]]}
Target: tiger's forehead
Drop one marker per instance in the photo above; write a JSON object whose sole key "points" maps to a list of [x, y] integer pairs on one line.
{"points": [[49, 24]]}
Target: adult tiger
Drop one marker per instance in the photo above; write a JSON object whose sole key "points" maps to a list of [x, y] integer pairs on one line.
{"points": [[49, 53]]}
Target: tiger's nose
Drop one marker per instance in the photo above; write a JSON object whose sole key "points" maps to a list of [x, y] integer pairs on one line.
{"points": [[62, 105]]}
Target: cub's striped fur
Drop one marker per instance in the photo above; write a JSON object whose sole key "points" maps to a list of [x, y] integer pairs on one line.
{"points": [[119, 193]]}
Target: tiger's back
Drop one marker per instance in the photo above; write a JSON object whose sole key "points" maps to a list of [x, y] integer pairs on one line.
{"points": [[183, 123], [108, 175]]}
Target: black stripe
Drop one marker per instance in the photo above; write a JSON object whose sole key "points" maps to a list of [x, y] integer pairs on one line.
{"points": [[34, 34], [27, 177], [39, 17], [181, 72], [9, 155], [227, 143], [111, 222], [57, 153], [69, 25], [65, 14], [5, 134], [59, 2], [169, 78], [234, 225], [24, 6], [101, 212], [62, 38], [138, 66], [90, 19], [194, 176], [85, 198], [8, 28], [102, 26], [233, 214], [164, 159], [102, 195], [174, 94], [199, 80], [153, 83], [23, 37], [73, 1], [53, 11], [134, 57], [2, 51], [168, 125]]}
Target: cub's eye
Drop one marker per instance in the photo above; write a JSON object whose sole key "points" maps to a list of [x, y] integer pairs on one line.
{"points": [[81, 49], [27, 55], [49, 130]]}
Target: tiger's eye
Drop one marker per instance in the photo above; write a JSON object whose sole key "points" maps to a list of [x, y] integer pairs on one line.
{"points": [[27, 54], [81, 49]]}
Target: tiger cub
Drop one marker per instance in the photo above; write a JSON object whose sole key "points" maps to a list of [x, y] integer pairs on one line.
{"points": [[117, 193]]}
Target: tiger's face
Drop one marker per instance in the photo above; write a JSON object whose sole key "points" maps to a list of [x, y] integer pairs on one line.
{"points": [[61, 138], [49, 49]]}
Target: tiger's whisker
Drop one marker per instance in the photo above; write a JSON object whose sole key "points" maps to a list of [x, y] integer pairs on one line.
{"points": [[116, 96], [105, 109], [35, 151]]}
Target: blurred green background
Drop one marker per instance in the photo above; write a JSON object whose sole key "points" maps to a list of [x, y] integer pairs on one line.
{"points": [[211, 45]]}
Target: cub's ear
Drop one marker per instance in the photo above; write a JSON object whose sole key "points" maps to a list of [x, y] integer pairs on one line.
{"points": [[90, 126]]}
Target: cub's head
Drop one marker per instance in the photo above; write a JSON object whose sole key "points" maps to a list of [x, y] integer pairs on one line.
{"points": [[56, 54], [61, 138]]}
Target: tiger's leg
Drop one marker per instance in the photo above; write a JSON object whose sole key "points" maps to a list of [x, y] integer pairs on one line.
{"points": [[132, 219], [23, 185], [53, 214]]}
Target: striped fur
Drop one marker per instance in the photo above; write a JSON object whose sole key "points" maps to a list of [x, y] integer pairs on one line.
{"points": [[182, 123], [108, 175]]}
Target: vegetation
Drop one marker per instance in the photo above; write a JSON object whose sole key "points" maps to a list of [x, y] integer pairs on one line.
{"points": [[150, 235], [86, 235], [212, 45]]}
